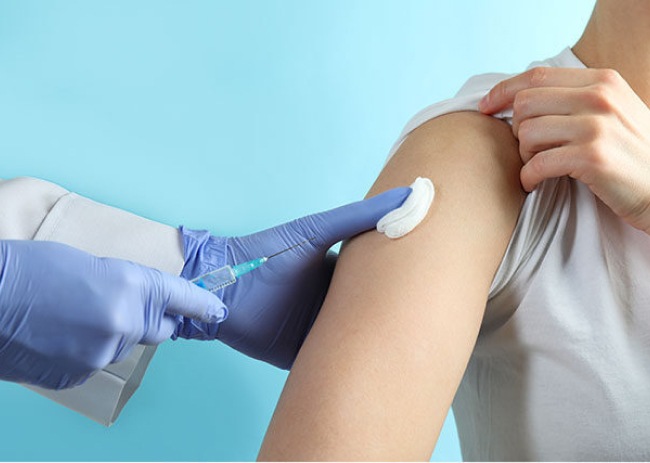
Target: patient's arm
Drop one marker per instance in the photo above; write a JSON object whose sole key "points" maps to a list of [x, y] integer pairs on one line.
{"points": [[377, 374]]}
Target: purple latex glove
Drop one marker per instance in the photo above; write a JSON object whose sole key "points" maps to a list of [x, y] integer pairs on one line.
{"points": [[64, 313], [272, 309]]}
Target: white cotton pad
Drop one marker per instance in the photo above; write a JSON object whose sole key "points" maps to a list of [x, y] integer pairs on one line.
{"points": [[405, 218]]}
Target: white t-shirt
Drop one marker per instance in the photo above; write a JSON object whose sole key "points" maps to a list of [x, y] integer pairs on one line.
{"points": [[561, 367]]}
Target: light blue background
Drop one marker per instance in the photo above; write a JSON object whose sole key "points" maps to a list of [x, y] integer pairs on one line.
{"points": [[167, 108]]}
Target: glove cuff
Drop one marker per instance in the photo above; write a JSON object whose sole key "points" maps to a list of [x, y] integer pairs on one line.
{"points": [[203, 253]]}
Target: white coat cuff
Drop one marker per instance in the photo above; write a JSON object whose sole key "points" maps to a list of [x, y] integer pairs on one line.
{"points": [[110, 232]]}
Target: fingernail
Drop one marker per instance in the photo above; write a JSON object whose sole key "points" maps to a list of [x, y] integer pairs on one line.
{"points": [[216, 315]]}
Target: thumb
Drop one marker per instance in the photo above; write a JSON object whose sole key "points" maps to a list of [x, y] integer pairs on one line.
{"points": [[347, 221], [177, 296]]}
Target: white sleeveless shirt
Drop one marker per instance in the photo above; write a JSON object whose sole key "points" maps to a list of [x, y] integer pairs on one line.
{"points": [[561, 367]]}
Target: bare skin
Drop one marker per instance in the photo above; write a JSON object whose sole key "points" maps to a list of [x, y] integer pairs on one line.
{"points": [[617, 37], [590, 124], [376, 376], [378, 372]]}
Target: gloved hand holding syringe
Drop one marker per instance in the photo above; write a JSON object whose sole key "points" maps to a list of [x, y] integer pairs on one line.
{"points": [[71, 298], [271, 310]]}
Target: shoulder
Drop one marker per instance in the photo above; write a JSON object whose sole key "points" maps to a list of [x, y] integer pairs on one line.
{"points": [[465, 128], [470, 93], [475, 149], [466, 99]]}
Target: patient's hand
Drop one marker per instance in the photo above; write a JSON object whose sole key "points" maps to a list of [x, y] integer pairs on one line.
{"points": [[377, 374], [583, 123]]}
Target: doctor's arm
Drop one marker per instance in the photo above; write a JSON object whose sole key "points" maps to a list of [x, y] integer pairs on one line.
{"points": [[377, 374], [268, 321]]}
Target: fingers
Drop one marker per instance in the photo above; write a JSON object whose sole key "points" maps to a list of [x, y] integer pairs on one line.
{"points": [[536, 102], [556, 162], [503, 94], [552, 146], [544, 133], [548, 107], [346, 221], [160, 329], [178, 296], [161, 333]]}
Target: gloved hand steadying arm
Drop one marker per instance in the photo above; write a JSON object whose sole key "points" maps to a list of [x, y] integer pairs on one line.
{"points": [[272, 308], [64, 314]]}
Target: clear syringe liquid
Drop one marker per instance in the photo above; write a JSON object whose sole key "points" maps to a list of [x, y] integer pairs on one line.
{"points": [[227, 275]]}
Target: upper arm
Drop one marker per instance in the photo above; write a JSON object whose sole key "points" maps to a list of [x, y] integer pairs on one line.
{"points": [[377, 374]]}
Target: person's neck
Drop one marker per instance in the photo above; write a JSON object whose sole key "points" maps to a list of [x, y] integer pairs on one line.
{"points": [[618, 37]]}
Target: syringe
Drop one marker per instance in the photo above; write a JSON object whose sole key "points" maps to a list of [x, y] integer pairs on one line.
{"points": [[227, 275]]}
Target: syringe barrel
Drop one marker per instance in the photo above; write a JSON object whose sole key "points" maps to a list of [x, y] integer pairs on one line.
{"points": [[245, 267], [216, 279]]}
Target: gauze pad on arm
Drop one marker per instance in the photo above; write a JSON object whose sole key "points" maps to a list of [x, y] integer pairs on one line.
{"points": [[405, 218]]}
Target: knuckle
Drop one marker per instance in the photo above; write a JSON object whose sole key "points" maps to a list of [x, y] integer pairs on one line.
{"points": [[115, 269], [536, 167], [608, 76], [128, 276], [116, 320], [526, 129], [596, 156], [499, 91], [599, 97], [595, 127], [537, 76], [521, 102]]}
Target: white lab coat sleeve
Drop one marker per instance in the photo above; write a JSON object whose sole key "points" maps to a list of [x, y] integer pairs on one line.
{"points": [[33, 209]]}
